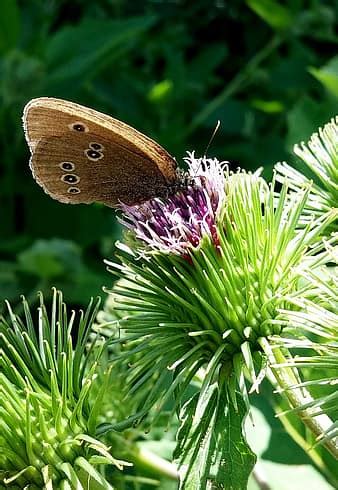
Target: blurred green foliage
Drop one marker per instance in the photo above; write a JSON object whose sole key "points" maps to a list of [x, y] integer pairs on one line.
{"points": [[267, 69]]}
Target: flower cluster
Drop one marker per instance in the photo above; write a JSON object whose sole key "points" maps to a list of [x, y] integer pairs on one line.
{"points": [[226, 280], [179, 222], [50, 401], [255, 284]]}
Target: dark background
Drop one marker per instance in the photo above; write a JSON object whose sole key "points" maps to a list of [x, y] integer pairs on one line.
{"points": [[268, 70]]}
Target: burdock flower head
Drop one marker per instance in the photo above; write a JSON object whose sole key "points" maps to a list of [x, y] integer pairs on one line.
{"points": [[209, 279], [181, 221], [50, 402], [320, 155]]}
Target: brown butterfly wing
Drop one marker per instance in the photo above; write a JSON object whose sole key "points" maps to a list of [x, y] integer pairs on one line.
{"points": [[47, 116], [84, 168], [131, 168]]}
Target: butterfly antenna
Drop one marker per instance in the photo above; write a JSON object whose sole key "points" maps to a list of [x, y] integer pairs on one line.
{"points": [[212, 137], [208, 145]]}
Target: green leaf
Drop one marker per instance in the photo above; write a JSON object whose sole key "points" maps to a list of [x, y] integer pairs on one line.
{"points": [[303, 117], [9, 24], [51, 258], [160, 91], [328, 75], [274, 14], [91, 45], [318, 21], [211, 448], [268, 106]]}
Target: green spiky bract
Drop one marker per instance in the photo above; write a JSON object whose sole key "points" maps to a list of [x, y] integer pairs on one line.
{"points": [[210, 315], [315, 339], [49, 408], [320, 155], [310, 340]]}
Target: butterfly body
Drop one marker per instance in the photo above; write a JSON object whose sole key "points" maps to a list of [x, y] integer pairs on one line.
{"points": [[81, 156]]}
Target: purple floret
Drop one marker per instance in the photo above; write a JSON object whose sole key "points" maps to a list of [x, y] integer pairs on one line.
{"points": [[180, 221]]}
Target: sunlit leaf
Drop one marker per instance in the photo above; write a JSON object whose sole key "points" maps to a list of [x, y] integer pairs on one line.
{"points": [[268, 106], [276, 15], [212, 450], [328, 75]]}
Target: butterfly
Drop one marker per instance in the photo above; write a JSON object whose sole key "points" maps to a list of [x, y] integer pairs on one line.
{"points": [[79, 155]]}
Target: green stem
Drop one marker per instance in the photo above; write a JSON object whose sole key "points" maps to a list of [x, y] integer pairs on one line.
{"points": [[236, 83], [141, 457], [153, 463], [297, 397]]}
